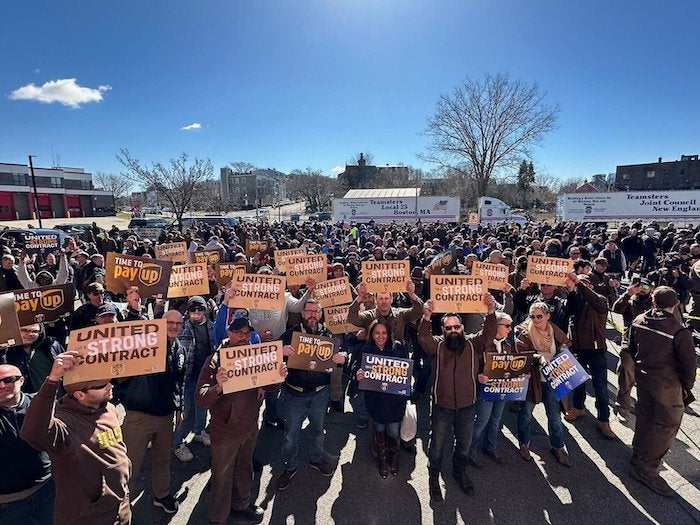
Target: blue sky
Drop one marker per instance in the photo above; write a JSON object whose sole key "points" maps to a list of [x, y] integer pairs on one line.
{"points": [[290, 84]]}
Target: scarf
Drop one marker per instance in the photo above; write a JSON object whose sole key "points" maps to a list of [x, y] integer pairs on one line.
{"points": [[542, 340]]}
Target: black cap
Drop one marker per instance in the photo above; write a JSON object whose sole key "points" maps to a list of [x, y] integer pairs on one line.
{"points": [[197, 300], [238, 324], [106, 309]]}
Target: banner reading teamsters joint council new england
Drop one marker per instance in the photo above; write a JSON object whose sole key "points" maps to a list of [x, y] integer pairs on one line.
{"points": [[458, 293]]}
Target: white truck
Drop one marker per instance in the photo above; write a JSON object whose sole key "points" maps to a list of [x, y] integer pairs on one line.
{"points": [[681, 206], [399, 209], [493, 211]]}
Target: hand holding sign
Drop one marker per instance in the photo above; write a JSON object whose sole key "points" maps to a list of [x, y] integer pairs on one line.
{"points": [[62, 363]]}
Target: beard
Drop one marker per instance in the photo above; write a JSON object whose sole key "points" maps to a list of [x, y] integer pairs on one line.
{"points": [[454, 342]]}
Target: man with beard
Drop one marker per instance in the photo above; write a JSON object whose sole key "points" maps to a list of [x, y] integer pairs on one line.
{"points": [[457, 360], [84, 441]]}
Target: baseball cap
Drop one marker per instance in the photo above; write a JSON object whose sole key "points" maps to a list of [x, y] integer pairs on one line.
{"points": [[106, 309], [85, 385], [196, 300], [238, 324]]}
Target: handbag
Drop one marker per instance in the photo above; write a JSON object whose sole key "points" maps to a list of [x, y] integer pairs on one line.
{"points": [[409, 423]]}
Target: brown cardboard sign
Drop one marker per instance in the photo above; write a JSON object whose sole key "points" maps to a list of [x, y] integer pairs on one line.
{"points": [[187, 280], [313, 352], [116, 350], [150, 276], [208, 256], [281, 256], [495, 275], [506, 366], [458, 293], [226, 271], [259, 291], [333, 292], [386, 276], [335, 319], [173, 252], [548, 270], [254, 246], [45, 304], [301, 267], [9, 324], [251, 366]]}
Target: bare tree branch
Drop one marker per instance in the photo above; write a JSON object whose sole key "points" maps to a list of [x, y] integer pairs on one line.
{"points": [[314, 187]]}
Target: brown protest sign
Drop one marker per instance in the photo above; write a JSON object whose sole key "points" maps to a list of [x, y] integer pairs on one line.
{"points": [[301, 267], [473, 218], [335, 318], [505, 366], [9, 325], [259, 291], [150, 276], [458, 293], [127, 349], [548, 270], [226, 271], [45, 304], [495, 275], [173, 252], [333, 292], [187, 280], [281, 256], [36, 243], [313, 352], [251, 366], [252, 247], [386, 276], [208, 256]]}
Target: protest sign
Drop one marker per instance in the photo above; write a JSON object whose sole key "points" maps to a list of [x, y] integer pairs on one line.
{"points": [[281, 256], [336, 320], [301, 267], [116, 350], [386, 374], [9, 324], [151, 277], [458, 293], [208, 256], [473, 218], [45, 304], [187, 280], [226, 271], [333, 292], [173, 252], [386, 276], [444, 262], [564, 373], [251, 366], [548, 270], [504, 366], [37, 243], [252, 247], [259, 291], [495, 275], [313, 352], [514, 389]]}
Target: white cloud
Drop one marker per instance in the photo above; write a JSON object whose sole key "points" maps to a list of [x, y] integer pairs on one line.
{"points": [[194, 125], [64, 91], [338, 169]]}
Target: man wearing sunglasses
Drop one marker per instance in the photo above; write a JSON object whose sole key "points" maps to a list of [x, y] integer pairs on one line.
{"points": [[85, 315], [34, 357], [83, 438], [26, 489]]}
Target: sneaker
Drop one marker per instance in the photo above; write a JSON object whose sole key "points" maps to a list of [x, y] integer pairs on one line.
{"points": [[657, 484], [323, 467], [203, 438], [167, 503], [361, 423], [285, 479], [253, 513], [183, 453]]}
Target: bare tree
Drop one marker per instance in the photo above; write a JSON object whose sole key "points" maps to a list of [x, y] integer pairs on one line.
{"points": [[119, 185], [314, 187], [242, 167], [367, 156], [177, 181], [487, 125]]}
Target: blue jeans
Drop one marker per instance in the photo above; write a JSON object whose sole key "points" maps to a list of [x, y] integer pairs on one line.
{"points": [[37, 509], [487, 423], [194, 417], [596, 365], [554, 425], [358, 405], [391, 429], [442, 420], [270, 413], [297, 407]]}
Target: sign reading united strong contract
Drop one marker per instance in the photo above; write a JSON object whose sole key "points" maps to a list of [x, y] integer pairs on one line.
{"points": [[336, 320], [564, 373], [313, 352], [301, 267], [458, 293], [504, 366], [281, 257], [254, 246], [548, 270], [386, 276], [116, 350], [9, 325], [495, 275], [150, 276], [187, 280], [173, 252], [386, 374], [208, 256], [45, 304], [226, 271], [513, 389], [259, 291], [333, 292], [251, 366], [36, 243]]}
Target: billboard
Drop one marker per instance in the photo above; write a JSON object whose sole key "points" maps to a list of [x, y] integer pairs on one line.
{"points": [[399, 209]]}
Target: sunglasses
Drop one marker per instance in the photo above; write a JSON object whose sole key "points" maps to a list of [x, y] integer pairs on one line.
{"points": [[536, 316], [506, 325], [196, 309], [98, 387], [452, 327], [10, 379], [29, 331]]}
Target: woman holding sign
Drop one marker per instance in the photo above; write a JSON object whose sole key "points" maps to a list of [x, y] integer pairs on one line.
{"points": [[386, 410], [537, 334]]}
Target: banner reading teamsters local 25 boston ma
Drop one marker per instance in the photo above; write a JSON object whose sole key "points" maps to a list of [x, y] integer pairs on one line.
{"points": [[399, 209]]}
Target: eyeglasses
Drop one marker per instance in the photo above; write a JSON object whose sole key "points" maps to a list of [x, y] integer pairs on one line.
{"points": [[10, 379], [240, 332], [316, 312], [29, 331], [98, 387], [174, 323], [506, 325], [536, 316], [196, 309], [452, 327]]}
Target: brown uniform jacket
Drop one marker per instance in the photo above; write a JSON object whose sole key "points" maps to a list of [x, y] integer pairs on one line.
{"points": [[397, 319], [589, 314]]}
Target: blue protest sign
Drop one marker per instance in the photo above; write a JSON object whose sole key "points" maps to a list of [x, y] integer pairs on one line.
{"points": [[391, 375], [564, 373], [514, 389]]}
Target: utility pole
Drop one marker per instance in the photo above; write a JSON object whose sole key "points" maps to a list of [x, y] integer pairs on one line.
{"points": [[37, 211]]}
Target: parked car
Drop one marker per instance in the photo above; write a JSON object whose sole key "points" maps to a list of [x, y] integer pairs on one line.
{"points": [[157, 222], [321, 216], [211, 220]]}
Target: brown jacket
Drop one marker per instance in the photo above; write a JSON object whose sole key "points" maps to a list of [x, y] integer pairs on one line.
{"points": [[589, 314], [398, 318]]}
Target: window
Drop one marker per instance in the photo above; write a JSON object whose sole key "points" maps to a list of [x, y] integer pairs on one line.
{"points": [[56, 182], [651, 174], [85, 185], [626, 176], [19, 179]]}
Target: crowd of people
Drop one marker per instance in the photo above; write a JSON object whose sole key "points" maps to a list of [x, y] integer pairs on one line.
{"points": [[71, 459]]}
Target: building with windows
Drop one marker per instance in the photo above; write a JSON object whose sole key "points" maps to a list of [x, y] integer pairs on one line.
{"points": [[261, 187], [364, 176], [60, 192], [681, 174]]}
